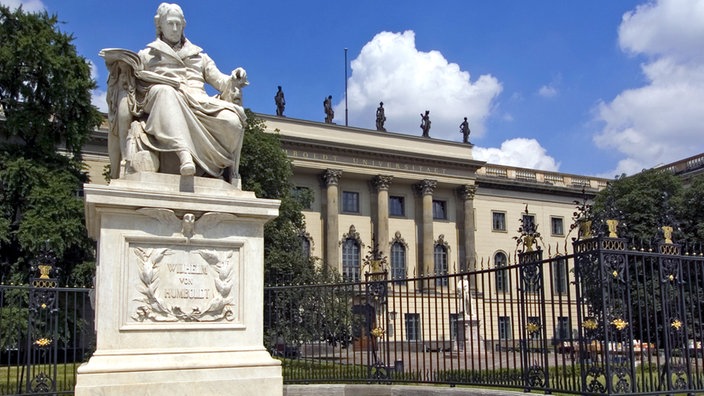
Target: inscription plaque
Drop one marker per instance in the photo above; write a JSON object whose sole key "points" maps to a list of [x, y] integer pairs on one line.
{"points": [[182, 283]]}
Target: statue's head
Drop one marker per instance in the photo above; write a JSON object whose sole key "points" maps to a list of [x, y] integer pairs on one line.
{"points": [[170, 23]]}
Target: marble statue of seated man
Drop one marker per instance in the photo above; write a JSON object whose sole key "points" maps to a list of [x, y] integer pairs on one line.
{"points": [[161, 117]]}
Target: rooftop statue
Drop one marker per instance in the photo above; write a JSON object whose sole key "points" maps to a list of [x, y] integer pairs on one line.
{"points": [[464, 130], [380, 117], [329, 112], [280, 102], [161, 118], [425, 123]]}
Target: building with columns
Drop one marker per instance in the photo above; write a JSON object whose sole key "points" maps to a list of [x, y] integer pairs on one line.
{"points": [[429, 205]]}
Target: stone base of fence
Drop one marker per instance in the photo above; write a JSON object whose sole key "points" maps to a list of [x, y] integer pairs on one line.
{"points": [[388, 390]]}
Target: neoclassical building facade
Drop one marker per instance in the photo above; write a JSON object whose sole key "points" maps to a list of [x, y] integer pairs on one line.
{"points": [[431, 208], [427, 203]]}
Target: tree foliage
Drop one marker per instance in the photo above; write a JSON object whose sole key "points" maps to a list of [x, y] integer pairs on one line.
{"points": [[293, 314], [642, 203], [266, 170], [46, 101], [44, 85]]}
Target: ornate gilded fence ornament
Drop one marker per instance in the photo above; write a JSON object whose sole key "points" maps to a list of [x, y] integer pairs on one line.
{"points": [[376, 292], [667, 233], [612, 224], [42, 330]]}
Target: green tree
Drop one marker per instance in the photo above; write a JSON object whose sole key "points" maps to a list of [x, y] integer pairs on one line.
{"points": [[642, 203], [690, 211], [266, 170], [292, 314], [44, 85], [46, 101]]}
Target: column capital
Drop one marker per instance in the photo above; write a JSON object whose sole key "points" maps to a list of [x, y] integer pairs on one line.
{"points": [[331, 177], [426, 187], [467, 191], [381, 182]]}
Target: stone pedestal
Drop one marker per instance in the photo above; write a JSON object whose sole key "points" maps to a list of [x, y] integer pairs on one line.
{"points": [[468, 339], [179, 289]]}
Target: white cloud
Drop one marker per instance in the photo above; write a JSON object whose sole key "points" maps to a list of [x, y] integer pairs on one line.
{"points": [[547, 91], [520, 152], [27, 5], [661, 121], [389, 68], [98, 97]]}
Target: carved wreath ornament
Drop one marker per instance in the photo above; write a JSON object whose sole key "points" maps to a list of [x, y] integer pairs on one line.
{"points": [[157, 310]]}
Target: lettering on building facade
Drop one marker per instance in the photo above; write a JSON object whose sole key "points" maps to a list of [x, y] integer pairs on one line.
{"points": [[372, 163]]}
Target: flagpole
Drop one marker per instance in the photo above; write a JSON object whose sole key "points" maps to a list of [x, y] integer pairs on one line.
{"points": [[346, 87]]}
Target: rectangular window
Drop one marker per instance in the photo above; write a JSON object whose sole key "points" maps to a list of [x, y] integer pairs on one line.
{"points": [[412, 326], [557, 226], [529, 222], [504, 327], [454, 318], [396, 206], [350, 202], [535, 328], [498, 221], [439, 210], [559, 272], [562, 332]]}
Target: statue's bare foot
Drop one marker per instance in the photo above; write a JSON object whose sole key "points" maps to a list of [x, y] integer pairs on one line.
{"points": [[188, 168]]}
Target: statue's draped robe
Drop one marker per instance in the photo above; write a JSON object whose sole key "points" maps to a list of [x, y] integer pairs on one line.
{"points": [[181, 114]]}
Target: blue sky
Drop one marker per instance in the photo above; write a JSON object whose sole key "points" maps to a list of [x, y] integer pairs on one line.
{"points": [[595, 87]]}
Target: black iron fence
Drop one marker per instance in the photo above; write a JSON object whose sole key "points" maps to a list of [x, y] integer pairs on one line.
{"points": [[606, 318], [45, 333]]}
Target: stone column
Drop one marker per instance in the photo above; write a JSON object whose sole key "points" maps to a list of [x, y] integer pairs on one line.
{"points": [[381, 228], [425, 189], [468, 261], [330, 179]]}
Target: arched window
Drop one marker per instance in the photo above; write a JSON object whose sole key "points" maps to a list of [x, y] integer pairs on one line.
{"points": [[398, 258], [306, 243], [305, 246], [350, 260], [502, 280], [559, 271], [441, 264], [398, 261]]}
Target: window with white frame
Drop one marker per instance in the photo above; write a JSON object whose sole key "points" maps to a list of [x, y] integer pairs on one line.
{"points": [[505, 327], [562, 332], [412, 322], [398, 261], [559, 272], [501, 275], [350, 260], [498, 221], [557, 226], [439, 210], [350, 202], [441, 267]]}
